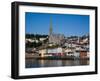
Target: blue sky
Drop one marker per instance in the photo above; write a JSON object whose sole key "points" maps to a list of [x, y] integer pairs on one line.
{"points": [[67, 24]]}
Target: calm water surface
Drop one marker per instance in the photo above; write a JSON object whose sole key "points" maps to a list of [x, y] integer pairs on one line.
{"points": [[34, 63]]}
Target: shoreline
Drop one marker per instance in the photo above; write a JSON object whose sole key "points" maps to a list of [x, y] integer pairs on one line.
{"points": [[57, 58]]}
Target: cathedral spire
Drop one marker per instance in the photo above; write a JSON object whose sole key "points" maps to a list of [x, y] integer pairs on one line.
{"points": [[50, 29]]}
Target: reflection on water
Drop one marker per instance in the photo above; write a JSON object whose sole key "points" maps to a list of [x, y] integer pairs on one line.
{"points": [[34, 63]]}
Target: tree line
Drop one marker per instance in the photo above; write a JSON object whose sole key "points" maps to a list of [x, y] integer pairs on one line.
{"points": [[35, 36]]}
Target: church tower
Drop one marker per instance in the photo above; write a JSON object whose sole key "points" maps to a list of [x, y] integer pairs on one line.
{"points": [[53, 37], [50, 29]]}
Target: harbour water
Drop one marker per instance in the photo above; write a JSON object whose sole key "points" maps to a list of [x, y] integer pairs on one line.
{"points": [[37, 63]]}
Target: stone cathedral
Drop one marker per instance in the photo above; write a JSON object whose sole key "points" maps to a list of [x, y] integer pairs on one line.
{"points": [[55, 38]]}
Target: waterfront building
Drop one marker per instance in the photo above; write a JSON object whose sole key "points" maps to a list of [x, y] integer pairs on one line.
{"points": [[43, 52], [55, 51], [70, 51], [51, 51], [83, 54]]}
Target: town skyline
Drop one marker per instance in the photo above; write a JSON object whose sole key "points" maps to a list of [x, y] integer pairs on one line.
{"points": [[67, 24]]}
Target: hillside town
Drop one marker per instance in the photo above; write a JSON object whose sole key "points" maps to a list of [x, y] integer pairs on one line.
{"points": [[57, 46]]}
